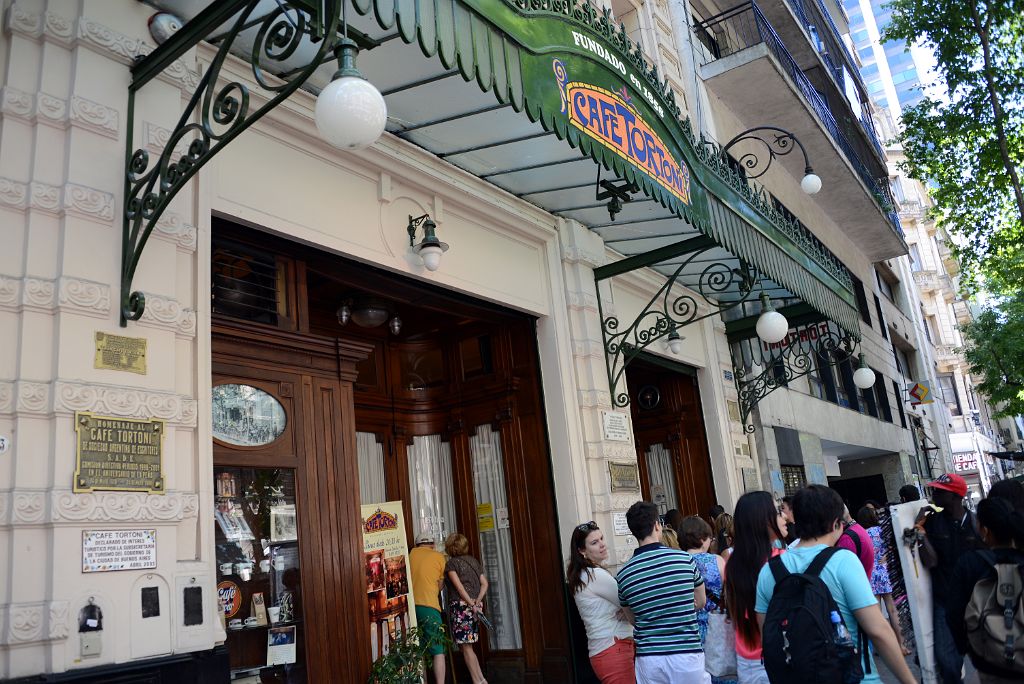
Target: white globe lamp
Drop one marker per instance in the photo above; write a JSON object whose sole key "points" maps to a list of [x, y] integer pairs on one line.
{"points": [[771, 326], [863, 377], [431, 255], [811, 182], [675, 342], [350, 112]]}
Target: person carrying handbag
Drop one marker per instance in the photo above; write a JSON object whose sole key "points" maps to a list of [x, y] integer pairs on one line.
{"points": [[716, 632]]}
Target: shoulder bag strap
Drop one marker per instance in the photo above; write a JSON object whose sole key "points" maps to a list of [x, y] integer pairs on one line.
{"points": [[778, 568], [820, 561], [855, 537]]}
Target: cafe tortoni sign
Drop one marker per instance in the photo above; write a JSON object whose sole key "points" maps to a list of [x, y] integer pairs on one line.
{"points": [[612, 120]]}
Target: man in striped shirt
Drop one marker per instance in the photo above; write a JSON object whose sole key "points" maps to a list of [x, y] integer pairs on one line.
{"points": [[664, 589]]}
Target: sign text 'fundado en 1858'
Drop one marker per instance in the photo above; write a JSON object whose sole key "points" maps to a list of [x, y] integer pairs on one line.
{"points": [[124, 454], [108, 550]]}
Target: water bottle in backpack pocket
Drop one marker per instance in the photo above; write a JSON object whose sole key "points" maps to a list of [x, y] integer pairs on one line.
{"points": [[804, 639], [995, 616]]}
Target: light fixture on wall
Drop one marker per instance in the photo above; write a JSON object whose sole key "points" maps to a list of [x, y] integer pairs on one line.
{"points": [[617, 195], [771, 325], [429, 248], [778, 143], [369, 312], [863, 377], [350, 112], [675, 342]]}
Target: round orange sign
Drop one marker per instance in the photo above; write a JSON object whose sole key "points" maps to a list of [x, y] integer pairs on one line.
{"points": [[230, 598]]}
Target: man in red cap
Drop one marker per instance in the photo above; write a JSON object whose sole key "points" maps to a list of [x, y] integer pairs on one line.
{"points": [[947, 535]]}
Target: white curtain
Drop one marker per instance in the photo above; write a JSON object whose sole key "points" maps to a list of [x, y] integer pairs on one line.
{"points": [[661, 478], [430, 487], [501, 604], [371, 468]]}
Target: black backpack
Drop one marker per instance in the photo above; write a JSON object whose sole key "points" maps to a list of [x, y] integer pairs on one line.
{"points": [[995, 616], [798, 638]]}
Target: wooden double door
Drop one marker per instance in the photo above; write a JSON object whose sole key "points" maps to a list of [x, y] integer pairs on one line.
{"points": [[472, 461], [671, 442]]}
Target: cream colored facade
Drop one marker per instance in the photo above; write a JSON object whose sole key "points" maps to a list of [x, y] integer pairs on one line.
{"points": [[65, 70]]}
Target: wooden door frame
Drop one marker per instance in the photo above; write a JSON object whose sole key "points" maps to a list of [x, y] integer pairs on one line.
{"points": [[329, 521]]}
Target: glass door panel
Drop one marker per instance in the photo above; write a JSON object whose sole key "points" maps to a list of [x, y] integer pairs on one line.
{"points": [[501, 604], [258, 573], [371, 468], [661, 478], [431, 493]]}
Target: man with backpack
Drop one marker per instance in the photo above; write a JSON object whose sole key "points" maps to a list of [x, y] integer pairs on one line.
{"points": [[947, 535], [985, 607], [816, 607]]}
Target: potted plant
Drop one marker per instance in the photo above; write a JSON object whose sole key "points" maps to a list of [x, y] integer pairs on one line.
{"points": [[402, 663]]}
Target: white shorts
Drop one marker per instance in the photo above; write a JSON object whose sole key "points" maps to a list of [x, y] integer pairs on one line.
{"points": [[679, 668], [750, 671]]}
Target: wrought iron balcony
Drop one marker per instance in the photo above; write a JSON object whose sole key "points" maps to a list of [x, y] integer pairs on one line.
{"points": [[745, 26]]}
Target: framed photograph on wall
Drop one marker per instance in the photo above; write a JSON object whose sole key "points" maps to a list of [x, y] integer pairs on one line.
{"points": [[282, 523]]}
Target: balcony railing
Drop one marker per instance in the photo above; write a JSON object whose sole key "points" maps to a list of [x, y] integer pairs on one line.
{"points": [[745, 26]]}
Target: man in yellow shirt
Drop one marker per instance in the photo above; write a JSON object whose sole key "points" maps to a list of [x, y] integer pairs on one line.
{"points": [[427, 575]]}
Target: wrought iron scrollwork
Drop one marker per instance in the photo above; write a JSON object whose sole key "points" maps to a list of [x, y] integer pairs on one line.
{"points": [[776, 142], [215, 115], [762, 368], [668, 311]]}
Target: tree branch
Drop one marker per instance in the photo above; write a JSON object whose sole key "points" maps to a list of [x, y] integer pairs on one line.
{"points": [[997, 109]]}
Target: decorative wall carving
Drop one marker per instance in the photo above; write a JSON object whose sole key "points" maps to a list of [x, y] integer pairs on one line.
{"points": [[124, 401], [13, 194], [173, 228], [95, 117], [576, 255], [24, 23], [123, 48], [164, 312], [51, 110], [58, 28], [5, 508], [33, 397], [37, 293], [24, 623], [84, 296], [27, 507], [17, 103], [10, 292], [595, 399], [89, 203], [69, 507], [58, 622], [6, 399], [582, 300], [44, 197]]}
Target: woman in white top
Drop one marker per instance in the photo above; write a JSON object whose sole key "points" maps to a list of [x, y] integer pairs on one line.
{"points": [[609, 632]]}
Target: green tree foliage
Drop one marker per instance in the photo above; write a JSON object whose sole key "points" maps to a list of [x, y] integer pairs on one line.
{"points": [[970, 147], [994, 348]]}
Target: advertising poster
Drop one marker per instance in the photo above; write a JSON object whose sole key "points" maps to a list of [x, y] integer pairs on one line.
{"points": [[388, 585]]}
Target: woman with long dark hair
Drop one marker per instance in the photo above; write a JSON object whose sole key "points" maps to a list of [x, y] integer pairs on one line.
{"points": [[758, 527], [1002, 528], [609, 633]]}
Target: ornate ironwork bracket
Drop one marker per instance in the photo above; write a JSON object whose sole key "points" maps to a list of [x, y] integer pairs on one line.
{"points": [[668, 311], [762, 368], [216, 114], [779, 144]]}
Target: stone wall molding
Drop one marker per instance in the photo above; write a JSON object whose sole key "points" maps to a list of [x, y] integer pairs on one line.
{"points": [[44, 197], [68, 507], [173, 228], [128, 402], [33, 397], [167, 313], [16, 103], [84, 296], [95, 117], [6, 405], [89, 203], [34, 622], [57, 112], [58, 622], [10, 292], [28, 507]]}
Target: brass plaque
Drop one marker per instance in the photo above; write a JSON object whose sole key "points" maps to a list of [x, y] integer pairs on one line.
{"points": [[123, 454], [117, 352], [625, 477]]}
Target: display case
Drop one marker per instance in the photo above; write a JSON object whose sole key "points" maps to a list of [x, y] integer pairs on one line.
{"points": [[258, 573]]}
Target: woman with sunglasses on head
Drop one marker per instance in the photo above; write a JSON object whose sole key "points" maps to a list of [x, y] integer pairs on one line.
{"points": [[758, 525], [609, 632]]}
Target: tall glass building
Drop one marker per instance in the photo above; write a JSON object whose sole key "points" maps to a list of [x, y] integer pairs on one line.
{"points": [[890, 70]]}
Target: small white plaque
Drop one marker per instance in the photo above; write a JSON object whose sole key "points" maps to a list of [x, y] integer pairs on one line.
{"points": [[501, 515], [5, 444], [108, 550], [616, 426], [619, 524]]}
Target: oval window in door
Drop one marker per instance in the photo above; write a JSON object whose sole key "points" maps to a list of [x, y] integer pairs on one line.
{"points": [[244, 415]]}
